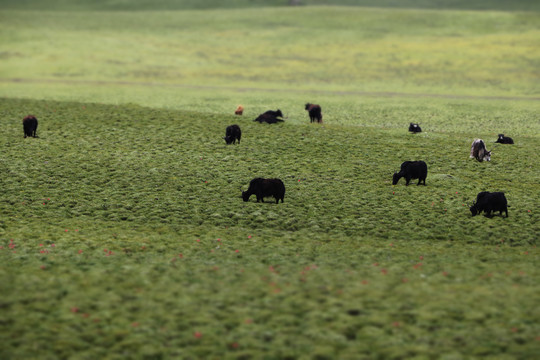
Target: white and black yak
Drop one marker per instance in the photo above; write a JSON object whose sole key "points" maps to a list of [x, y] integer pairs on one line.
{"points": [[265, 188], [479, 151], [232, 133], [411, 170], [488, 202], [314, 112], [30, 125], [414, 128], [504, 139]]}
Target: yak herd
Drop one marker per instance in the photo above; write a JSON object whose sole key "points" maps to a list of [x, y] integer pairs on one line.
{"points": [[487, 202]]}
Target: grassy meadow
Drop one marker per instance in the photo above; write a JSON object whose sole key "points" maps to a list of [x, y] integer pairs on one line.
{"points": [[122, 229]]}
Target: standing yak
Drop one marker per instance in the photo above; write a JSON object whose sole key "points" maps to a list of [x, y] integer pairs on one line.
{"points": [[232, 133], [30, 124], [314, 112], [479, 151], [411, 170], [264, 188]]}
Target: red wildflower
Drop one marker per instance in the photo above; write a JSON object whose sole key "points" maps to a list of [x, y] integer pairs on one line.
{"points": [[197, 334]]}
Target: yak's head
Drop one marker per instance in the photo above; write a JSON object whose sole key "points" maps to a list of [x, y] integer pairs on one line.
{"points": [[308, 105], [228, 139], [279, 113], [245, 195], [487, 156], [474, 209], [395, 178]]}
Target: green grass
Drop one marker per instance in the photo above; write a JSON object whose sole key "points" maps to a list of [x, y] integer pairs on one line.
{"points": [[101, 205], [122, 229]]}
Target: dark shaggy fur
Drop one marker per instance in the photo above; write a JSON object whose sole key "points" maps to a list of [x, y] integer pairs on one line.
{"points": [[30, 125], [232, 133], [264, 188], [411, 170], [488, 202], [504, 139], [314, 112], [414, 128], [273, 113], [268, 118]]}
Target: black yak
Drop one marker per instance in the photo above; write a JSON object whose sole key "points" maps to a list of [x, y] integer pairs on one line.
{"points": [[479, 151], [239, 110], [270, 117], [504, 139], [30, 125], [265, 188], [414, 128], [232, 133], [411, 170], [488, 202], [273, 113], [314, 112]]}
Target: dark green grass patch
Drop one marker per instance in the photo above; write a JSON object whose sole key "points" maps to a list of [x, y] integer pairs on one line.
{"points": [[123, 234]]}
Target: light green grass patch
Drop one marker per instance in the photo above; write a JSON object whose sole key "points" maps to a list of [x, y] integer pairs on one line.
{"points": [[355, 49]]}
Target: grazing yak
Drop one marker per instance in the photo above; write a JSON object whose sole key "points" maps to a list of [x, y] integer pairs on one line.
{"points": [[30, 124], [479, 151], [232, 133], [411, 170], [239, 110], [488, 202], [265, 188], [270, 117], [414, 128], [504, 139], [314, 112]]}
